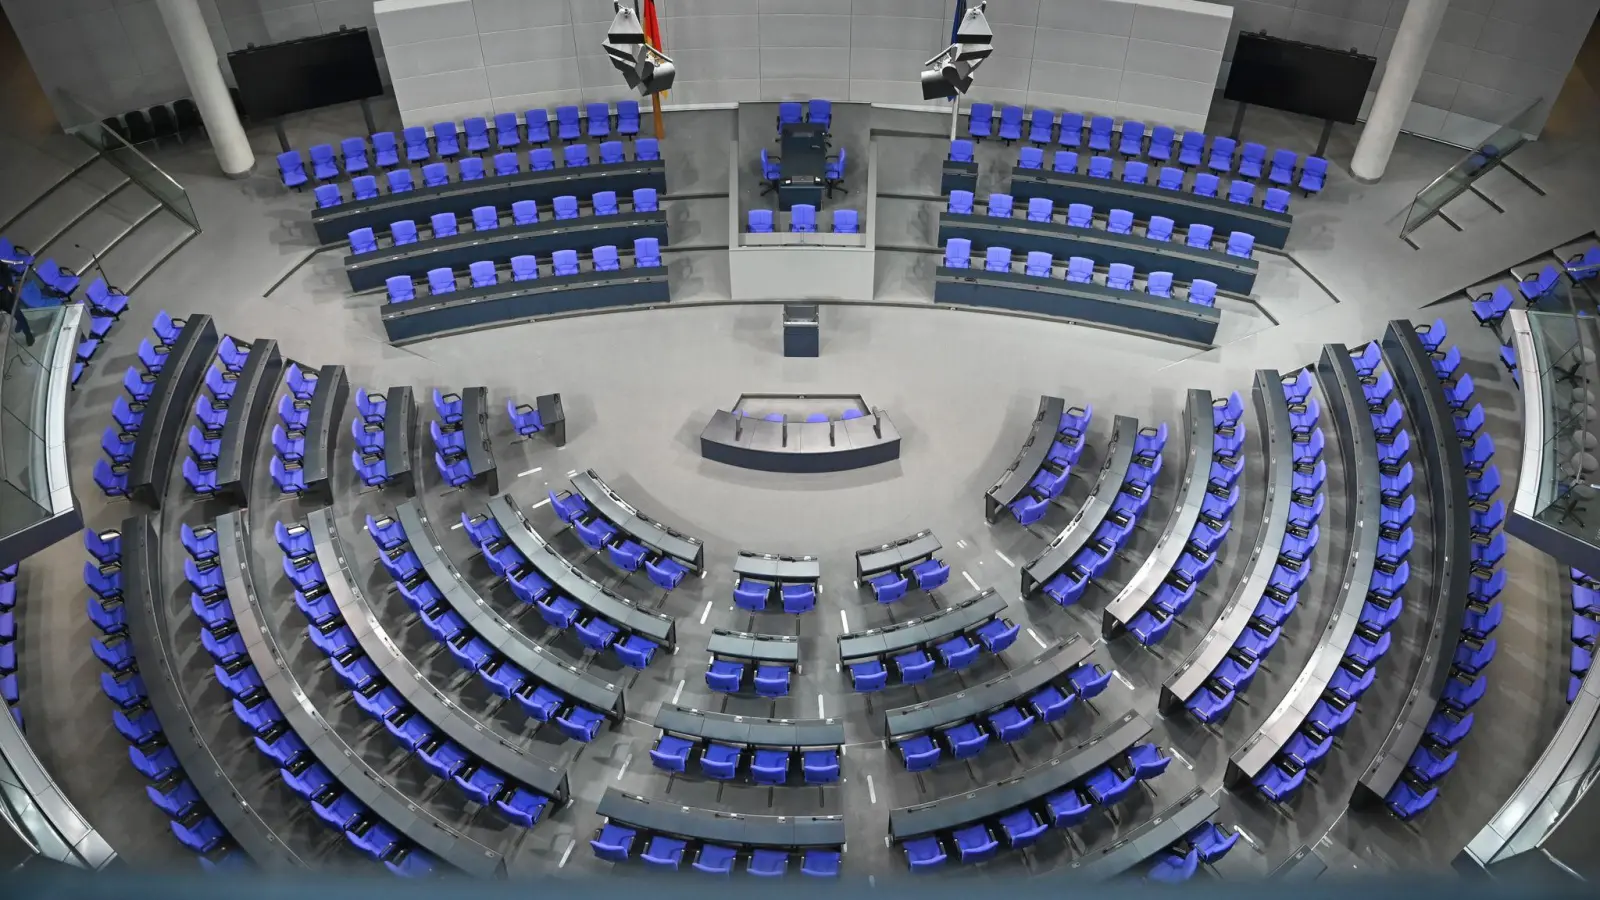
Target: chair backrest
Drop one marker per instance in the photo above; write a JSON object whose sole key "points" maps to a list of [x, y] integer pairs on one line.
{"points": [[644, 200], [1065, 161], [957, 251], [1159, 283], [326, 194], [1041, 209], [444, 224], [1277, 200], [1205, 184], [1159, 229], [483, 273], [525, 212], [524, 268], [803, 218], [471, 168], [1031, 158], [485, 218], [1000, 205], [365, 187], [819, 110], [1100, 167], [362, 240], [997, 259], [761, 221], [646, 252], [611, 152], [575, 154], [605, 203], [506, 163], [403, 231], [1241, 191], [399, 181], [1039, 263], [647, 149], [1202, 291], [1121, 276], [1240, 243], [565, 262], [961, 202], [844, 221], [606, 259], [961, 150], [541, 158], [565, 206], [1120, 221], [1080, 215], [789, 112], [1080, 268], [435, 173], [1136, 172], [441, 281]]}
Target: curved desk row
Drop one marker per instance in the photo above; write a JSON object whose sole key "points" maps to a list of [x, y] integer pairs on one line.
{"points": [[897, 555], [782, 649], [1059, 552], [475, 425], [1145, 200], [486, 622], [334, 223], [157, 447], [1272, 410], [400, 437], [149, 632], [1135, 312], [1031, 786], [1236, 274], [368, 271], [375, 792], [658, 537], [1358, 445], [837, 445], [1013, 482], [40, 817], [923, 632], [1200, 445], [1451, 563], [723, 828], [749, 731], [582, 589], [453, 722], [777, 569], [328, 401], [516, 301], [1162, 831], [247, 420], [1004, 690]]}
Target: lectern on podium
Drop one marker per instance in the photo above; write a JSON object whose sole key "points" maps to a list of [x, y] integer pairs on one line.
{"points": [[801, 330]]}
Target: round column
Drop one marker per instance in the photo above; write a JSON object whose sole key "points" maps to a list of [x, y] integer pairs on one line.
{"points": [[192, 41], [1412, 44]]}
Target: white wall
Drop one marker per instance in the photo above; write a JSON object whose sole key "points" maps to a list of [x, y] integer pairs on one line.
{"points": [[1491, 58], [1154, 59], [115, 54]]}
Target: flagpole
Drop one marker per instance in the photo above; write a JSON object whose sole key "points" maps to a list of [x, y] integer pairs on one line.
{"points": [[655, 99]]}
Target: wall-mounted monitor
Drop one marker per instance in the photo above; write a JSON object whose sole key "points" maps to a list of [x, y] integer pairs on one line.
{"points": [[306, 73], [1300, 78]]}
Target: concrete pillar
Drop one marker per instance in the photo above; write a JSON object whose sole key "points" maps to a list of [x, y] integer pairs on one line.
{"points": [[1412, 44], [190, 38]]}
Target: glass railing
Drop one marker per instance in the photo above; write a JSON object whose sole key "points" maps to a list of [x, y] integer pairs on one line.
{"points": [[1457, 179], [131, 162], [25, 398], [1566, 337]]}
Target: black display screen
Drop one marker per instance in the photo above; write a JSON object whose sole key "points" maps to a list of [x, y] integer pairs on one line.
{"points": [[1300, 78], [277, 79]]}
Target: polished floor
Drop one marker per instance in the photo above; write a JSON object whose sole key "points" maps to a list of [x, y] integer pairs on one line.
{"points": [[639, 386]]}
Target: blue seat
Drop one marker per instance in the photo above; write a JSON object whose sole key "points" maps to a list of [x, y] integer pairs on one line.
{"points": [[769, 766], [386, 153], [614, 842], [1100, 128], [1080, 215], [919, 753], [202, 836], [720, 761], [664, 852], [104, 546], [803, 218], [470, 169], [1119, 221], [1011, 723], [362, 240], [1119, 277], [1210, 703], [889, 587], [1134, 172], [1065, 161], [580, 723], [327, 195], [291, 169], [1405, 800], [799, 598], [1106, 786], [541, 159], [1170, 179], [1205, 185], [868, 675], [1278, 785], [975, 842], [1030, 158], [1080, 269], [636, 651], [914, 666], [1173, 867], [961, 150], [522, 806], [575, 156], [1132, 140], [1101, 166], [1041, 209], [725, 675], [1277, 201]]}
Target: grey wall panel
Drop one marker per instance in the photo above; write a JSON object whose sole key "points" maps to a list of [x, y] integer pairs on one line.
{"points": [[784, 63], [805, 31], [513, 15], [1092, 16], [709, 33], [1105, 51], [451, 54], [525, 44]]}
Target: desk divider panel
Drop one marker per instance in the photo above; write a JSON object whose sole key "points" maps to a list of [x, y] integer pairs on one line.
{"points": [[1002, 690], [1201, 444], [1154, 836], [453, 722], [247, 420], [1358, 445], [161, 434], [1451, 563], [376, 792], [1272, 412], [149, 632], [400, 447], [1055, 556], [582, 589], [1029, 787], [1013, 482], [328, 401], [727, 829], [480, 449]]}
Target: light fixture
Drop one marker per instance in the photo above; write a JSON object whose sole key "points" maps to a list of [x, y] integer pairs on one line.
{"points": [[645, 69], [949, 74]]}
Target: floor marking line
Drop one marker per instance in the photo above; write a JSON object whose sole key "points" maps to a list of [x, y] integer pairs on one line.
{"points": [[1182, 759], [844, 621], [531, 471], [457, 526], [572, 473], [625, 760], [540, 503], [677, 693], [1038, 640], [970, 581], [567, 853], [706, 613], [962, 544], [1120, 677], [872, 792], [820, 713], [1005, 559]]}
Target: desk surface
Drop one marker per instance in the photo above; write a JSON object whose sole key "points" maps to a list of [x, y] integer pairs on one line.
{"points": [[514, 301], [375, 791], [897, 554], [749, 731], [1091, 303], [572, 583], [399, 431], [999, 691], [610, 505], [1272, 411], [166, 414], [1450, 561], [771, 648], [247, 414], [1055, 556], [1013, 482], [328, 401], [924, 631], [1201, 442], [1154, 836], [1003, 796], [799, 447], [1144, 200], [475, 422], [728, 829], [1346, 403], [769, 567], [444, 713]]}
